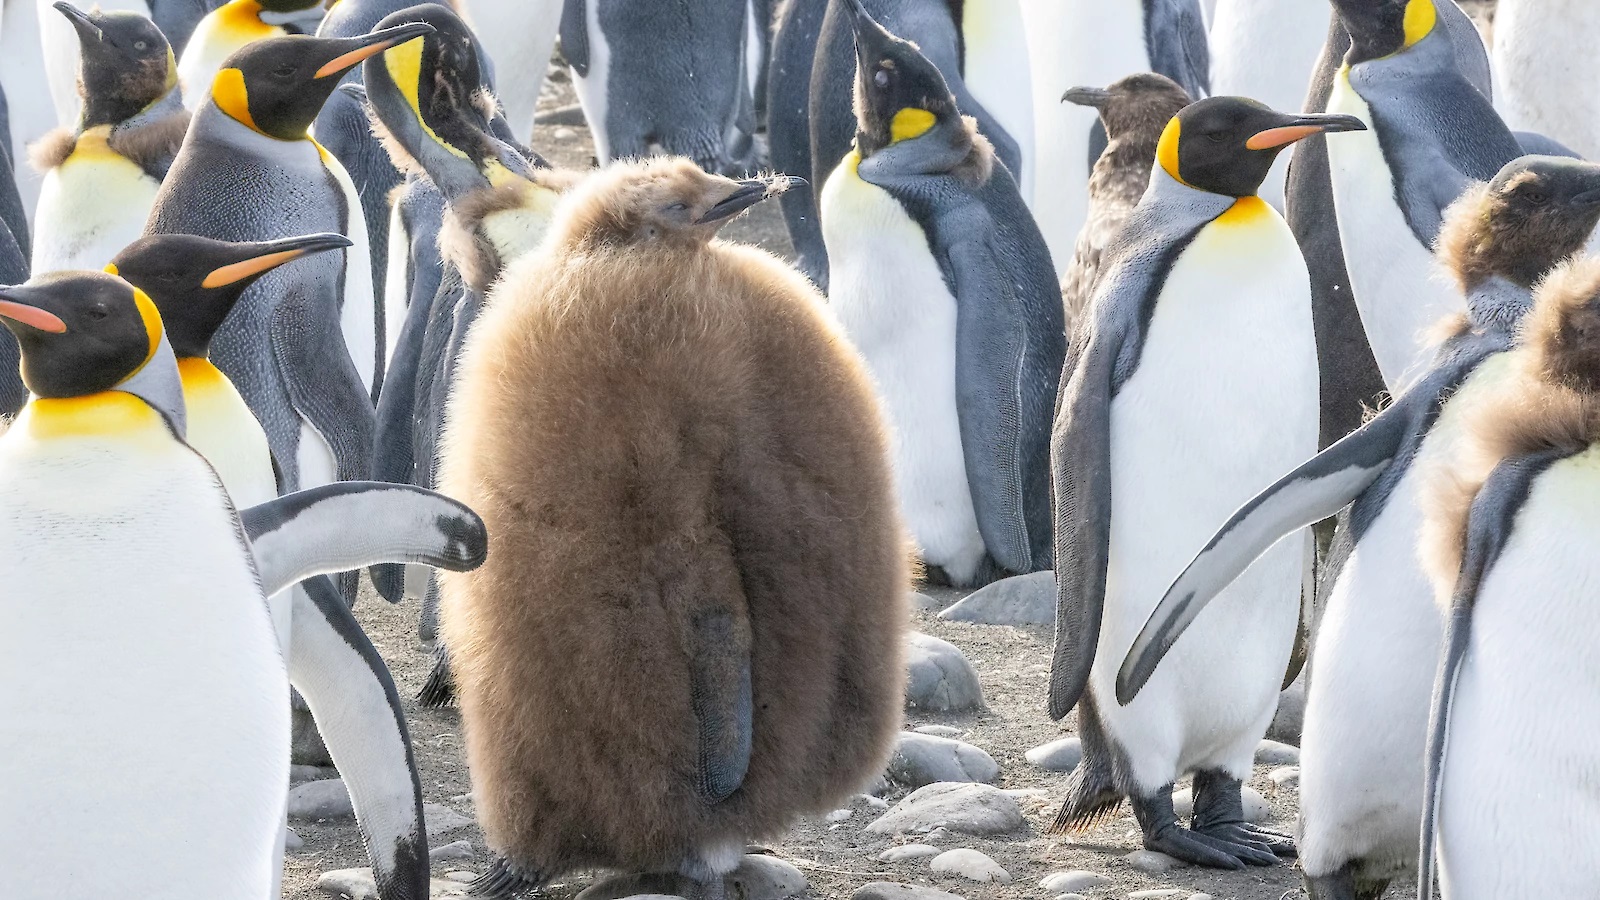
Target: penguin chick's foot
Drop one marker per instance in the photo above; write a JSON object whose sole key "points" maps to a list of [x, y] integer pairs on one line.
{"points": [[1343, 885], [503, 881], [1163, 834], [1219, 813]]}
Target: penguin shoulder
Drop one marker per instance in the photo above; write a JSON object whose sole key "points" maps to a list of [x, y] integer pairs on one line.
{"points": [[52, 150]]}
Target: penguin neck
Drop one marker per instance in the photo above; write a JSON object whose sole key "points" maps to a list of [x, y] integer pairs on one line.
{"points": [[107, 414], [1498, 303], [125, 117], [1191, 202]]}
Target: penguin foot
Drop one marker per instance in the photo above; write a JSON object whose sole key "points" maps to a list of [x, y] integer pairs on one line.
{"points": [[1163, 834], [504, 881], [439, 691], [1260, 840], [1344, 885]]}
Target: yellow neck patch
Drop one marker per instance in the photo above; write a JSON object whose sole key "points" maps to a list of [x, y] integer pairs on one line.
{"points": [[910, 123], [1167, 150], [232, 97], [405, 67], [1244, 211], [1421, 17], [198, 373], [242, 19], [104, 414]]}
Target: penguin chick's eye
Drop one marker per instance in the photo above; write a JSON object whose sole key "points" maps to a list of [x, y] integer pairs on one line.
{"points": [[880, 78], [1537, 198], [141, 46], [677, 207]]}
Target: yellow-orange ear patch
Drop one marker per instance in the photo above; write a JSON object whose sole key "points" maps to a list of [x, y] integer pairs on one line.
{"points": [[910, 123], [228, 91], [1420, 19], [1167, 149]]}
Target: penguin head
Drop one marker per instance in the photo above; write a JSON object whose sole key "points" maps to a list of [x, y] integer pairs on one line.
{"points": [[195, 281], [277, 86], [1536, 212], [1562, 332], [126, 64], [666, 201], [1380, 28], [1141, 103], [900, 94], [1226, 145], [86, 332]]}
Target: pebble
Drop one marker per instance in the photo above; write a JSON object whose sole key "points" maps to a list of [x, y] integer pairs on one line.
{"points": [[971, 865], [1255, 805], [457, 850], [874, 802], [1020, 600], [1071, 897], [1057, 756], [1272, 753], [908, 851], [965, 808], [1150, 862], [358, 884], [564, 134], [940, 679], [921, 759], [326, 799], [1201, 897], [1291, 715], [1076, 880], [1286, 778], [925, 602], [298, 774], [461, 877], [758, 877], [838, 815], [939, 731], [292, 841], [442, 820], [888, 890], [1157, 894]]}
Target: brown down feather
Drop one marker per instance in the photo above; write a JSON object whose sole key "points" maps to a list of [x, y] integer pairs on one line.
{"points": [[52, 150], [652, 424], [152, 147]]}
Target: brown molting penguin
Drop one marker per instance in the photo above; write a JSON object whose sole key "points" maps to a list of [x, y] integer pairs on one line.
{"points": [[690, 631]]}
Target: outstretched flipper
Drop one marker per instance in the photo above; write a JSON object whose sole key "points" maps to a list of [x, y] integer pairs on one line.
{"points": [[357, 709], [720, 694], [1489, 526], [351, 524]]}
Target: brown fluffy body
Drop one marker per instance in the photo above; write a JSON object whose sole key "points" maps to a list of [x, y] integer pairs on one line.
{"points": [[151, 147], [653, 424]]}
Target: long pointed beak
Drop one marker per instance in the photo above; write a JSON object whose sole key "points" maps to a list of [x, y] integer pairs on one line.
{"points": [[371, 45], [748, 194], [1087, 96], [1299, 128], [80, 20], [272, 254], [20, 304]]}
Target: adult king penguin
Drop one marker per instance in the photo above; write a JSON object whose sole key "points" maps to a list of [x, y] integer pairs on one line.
{"points": [[230, 28], [1511, 532], [1195, 382], [1366, 714], [301, 346], [101, 178], [97, 483], [946, 288]]}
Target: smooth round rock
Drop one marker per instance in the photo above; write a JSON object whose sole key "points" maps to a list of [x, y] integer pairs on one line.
{"points": [[1060, 755], [442, 820], [925, 602], [966, 808], [326, 799], [908, 851], [456, 850], [765, 878], [292, 841], [939, 678], [298, 774], [358, 884], [1256, 808], [1019, 600], [1070, 897], [888, 890], [1157, 894], [461, 877], [921, 759], [1286, 778], [1201, 897], [971, 865], [1273, 753], [838, 815], [1076, 880], [1150, 862], [944, 731], [1290, 718]]}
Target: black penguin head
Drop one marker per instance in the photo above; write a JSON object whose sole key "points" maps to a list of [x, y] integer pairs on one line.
{"points": [[900, 95], [195, 281], [1536, 212], [665, 201], [1142, 103], [1380, 28], [1226, 145], [288, 6], [126, 64], [277, 86]]}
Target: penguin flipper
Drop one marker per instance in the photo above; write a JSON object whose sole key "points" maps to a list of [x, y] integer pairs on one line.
{"points": [[1490, 523], [351, 524], [574, 31], [357, 709], [720, 693], [321, 379], [1175, 35]]}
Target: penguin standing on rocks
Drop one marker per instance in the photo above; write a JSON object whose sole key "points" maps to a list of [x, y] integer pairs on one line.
{"points": [[230, 28], [699, 578], [96, 482], [1510, 537], [102, 177], [1193, 384], [1134, 111], [945, 285], [1366, 712]]}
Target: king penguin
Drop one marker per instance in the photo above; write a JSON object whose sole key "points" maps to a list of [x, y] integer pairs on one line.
{"points": [[301, 346], [1366, 713], [946, 288], [177, 20], [1194, 383], [97, 483], [101, 178], [1510, 537], [231, 27]]}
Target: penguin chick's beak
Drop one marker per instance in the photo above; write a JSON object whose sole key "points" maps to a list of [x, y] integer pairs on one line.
{"points": [[1301, 127], [80, 20], [272, 255], [18, 305], [748, 194], [1087, 96], [371, 45]]}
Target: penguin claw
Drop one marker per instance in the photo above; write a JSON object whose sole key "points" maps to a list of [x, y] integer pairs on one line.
{"points": [[1243, 843], [502, 882], [1180, 843]]}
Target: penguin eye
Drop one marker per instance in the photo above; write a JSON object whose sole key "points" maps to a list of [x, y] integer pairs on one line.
{"points": [[1216, 137], [880, 78], [1537, 198], [141, 46], [283, 72], [677, 207], [97, 313]]}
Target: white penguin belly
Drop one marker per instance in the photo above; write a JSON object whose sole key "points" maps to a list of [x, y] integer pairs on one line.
{"points": [[1521, 788], [358, 317], [91, 206], [396, 282], [1223, 402], [1376, 654], [1543, 49], [1398, 290], [888, 293], [996, 69], [591, 89], [140, 633], [32, 113]]}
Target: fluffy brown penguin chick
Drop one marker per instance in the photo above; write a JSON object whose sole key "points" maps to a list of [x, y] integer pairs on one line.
{"points": [[1134, 112], [689, 632]]}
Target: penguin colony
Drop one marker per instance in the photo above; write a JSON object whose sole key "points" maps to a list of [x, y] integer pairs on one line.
{"points": [[288, 293]]}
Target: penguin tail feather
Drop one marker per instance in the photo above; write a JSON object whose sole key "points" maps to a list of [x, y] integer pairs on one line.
{"points": [[1087, 804], [439, 691]]}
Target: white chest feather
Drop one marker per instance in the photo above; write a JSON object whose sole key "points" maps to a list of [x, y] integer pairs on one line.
{"points": [[1546, 74], [91, 206], [996, 70], [591, 88], [1398, 288], [887, 290]]}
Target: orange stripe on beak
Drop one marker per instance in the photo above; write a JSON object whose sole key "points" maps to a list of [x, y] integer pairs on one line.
{"points": [[1278, 137], [341, 64], [239, 271], [33, 317]]}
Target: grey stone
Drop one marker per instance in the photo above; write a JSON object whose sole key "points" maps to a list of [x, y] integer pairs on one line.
{"points": [[292, 841], [886, 890], [1150, 862], [1256, 808], [1201, 897], [965, 808], [1285, 778], [1272, 753], [654, 897], [298, 774], [1157, 894], [926, 603], [921, 759], [326, 799], [878, 786], [461, 877], [908, 851], [971, 865], [442, 820], [838, 815], [457, 850], [757, 878], [939, 731], [1019, 600], [358, 884], [1291, 715], [1076, 880], [1071, 897], [1057, 756], [939, 678]]}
